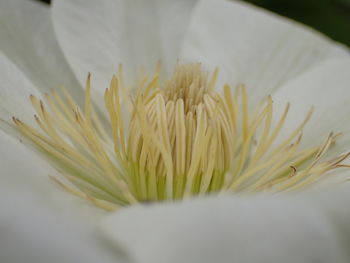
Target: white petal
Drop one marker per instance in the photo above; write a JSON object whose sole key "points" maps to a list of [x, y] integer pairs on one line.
{"points": [[37, 217], [334, 203], [253, 46], [27, 38], [327, 88], [15, 89], [39, 222], [265, 229], [97, 36]]}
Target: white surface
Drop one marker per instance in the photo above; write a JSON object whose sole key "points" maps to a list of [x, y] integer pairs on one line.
{"points": [[253, 46], [270, 229], [96, 36], [39, 222]]}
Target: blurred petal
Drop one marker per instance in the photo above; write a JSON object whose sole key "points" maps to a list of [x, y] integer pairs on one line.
{"points": [[253, 46], [269, 229], [327, 88], [335, 206], [39, 222], [97, 36], [27, 38], [15, 89]]}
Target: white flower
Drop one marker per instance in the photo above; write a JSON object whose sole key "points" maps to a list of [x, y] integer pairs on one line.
{"points": [[41, 223]]}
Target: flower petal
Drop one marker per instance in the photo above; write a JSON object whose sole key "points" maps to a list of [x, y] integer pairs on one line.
{"points": [[15, 89], [39, 222], [37, 217], [97, 36], [227, 229], [327, 88], [27, 38], [253, 46]]}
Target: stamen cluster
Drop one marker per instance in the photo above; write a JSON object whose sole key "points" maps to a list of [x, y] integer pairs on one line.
{"points": [[182, 139]]}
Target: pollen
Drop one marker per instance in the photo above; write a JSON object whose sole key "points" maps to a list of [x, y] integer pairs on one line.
{"points": [[172, 140]]}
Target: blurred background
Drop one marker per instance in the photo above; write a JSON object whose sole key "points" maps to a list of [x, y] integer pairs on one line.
{"points": [[331, 17]]}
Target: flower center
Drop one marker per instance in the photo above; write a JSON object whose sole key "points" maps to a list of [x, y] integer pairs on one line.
{"points": [[182, 139], [182, 135]]}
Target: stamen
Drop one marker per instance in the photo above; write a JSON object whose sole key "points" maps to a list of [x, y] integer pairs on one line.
{"points": [[182, 139]]}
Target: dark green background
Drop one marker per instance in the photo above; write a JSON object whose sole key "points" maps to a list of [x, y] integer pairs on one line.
{"points": [[332, 17]]}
